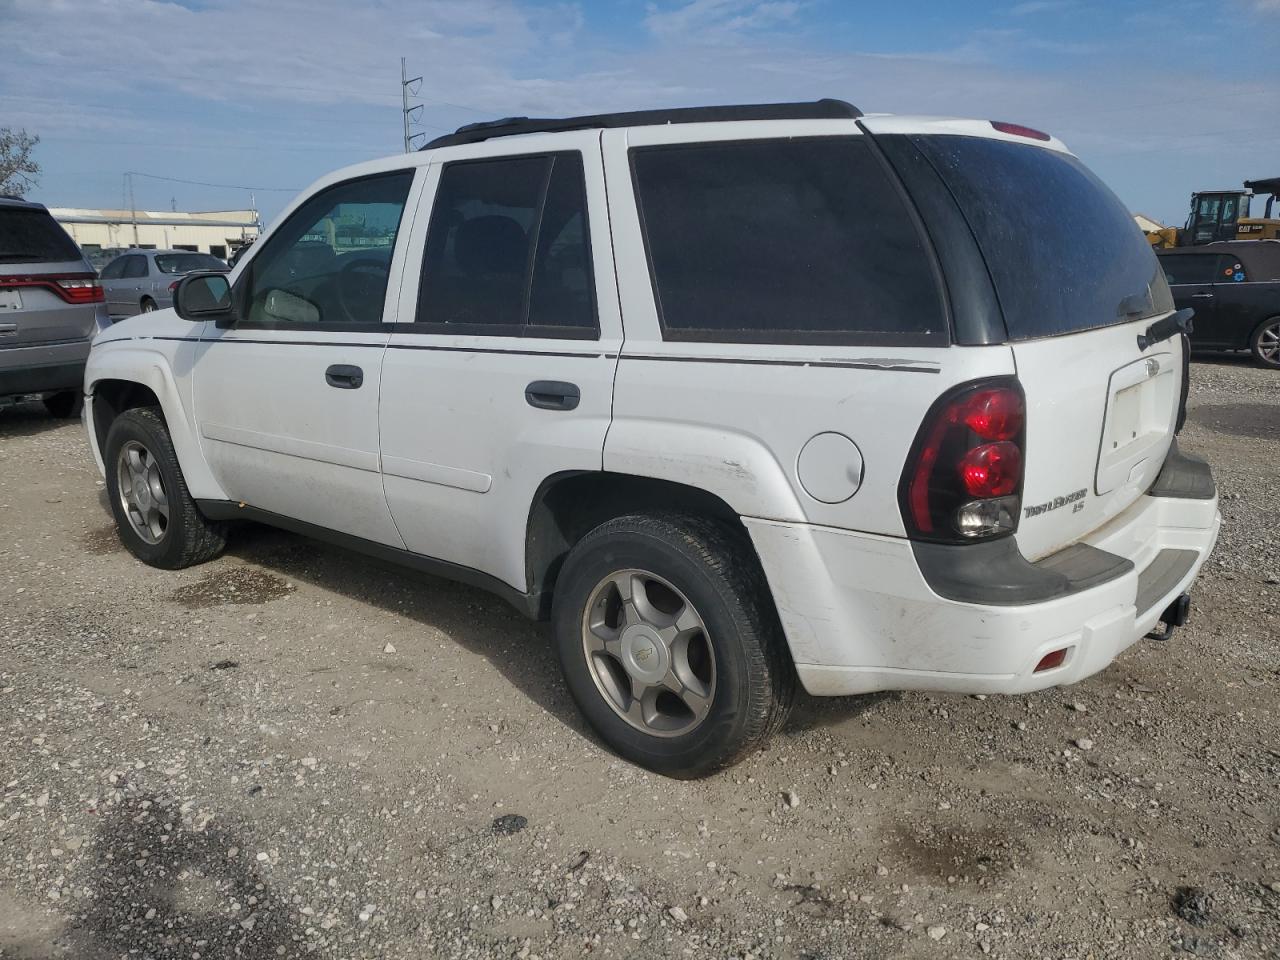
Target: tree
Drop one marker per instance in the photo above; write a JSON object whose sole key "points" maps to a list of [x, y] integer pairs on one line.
{"points": [[18, 171]]}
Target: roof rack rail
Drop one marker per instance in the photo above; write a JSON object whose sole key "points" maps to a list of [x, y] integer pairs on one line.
{"points": [[513, 126]]}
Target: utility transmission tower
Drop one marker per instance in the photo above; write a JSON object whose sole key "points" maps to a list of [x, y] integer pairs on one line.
{"points": [[407, 113]]}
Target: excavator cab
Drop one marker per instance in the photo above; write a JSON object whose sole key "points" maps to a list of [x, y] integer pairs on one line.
{"points": [[1215, 215], [1267, 226]]}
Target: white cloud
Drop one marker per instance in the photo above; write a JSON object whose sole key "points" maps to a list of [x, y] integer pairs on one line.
{"points": [[718, 20]]}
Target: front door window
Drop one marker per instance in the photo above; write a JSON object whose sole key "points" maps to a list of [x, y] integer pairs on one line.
{"points": [[330, 261]]}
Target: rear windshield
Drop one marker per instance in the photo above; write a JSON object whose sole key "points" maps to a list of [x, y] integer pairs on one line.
{"points": [[187, 262], [33, 236], [784, 241], [1064, 253]]}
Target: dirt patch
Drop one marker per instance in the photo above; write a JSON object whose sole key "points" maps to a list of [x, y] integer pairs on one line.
{"points": [[963, 854], [237, 585], [101, 541]]}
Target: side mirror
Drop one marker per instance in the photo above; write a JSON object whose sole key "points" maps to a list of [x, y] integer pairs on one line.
{"points": [[203, 296]]}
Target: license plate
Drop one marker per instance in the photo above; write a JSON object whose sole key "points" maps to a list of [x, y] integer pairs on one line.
{"points": [[10, 300]]}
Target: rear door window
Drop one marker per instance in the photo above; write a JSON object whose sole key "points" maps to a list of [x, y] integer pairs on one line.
{"points": [[135, 267], [507, 250], [804, 240], [1064, 253], [1230, 270], [1190, 268], [29, 235]]}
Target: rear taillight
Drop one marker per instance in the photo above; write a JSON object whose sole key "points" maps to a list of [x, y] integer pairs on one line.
{"points": [[963, 479], [174, 286], [71, 287]]}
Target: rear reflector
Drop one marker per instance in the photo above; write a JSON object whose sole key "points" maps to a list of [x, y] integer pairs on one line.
{"points": [[71, 287], [1051, 660], [1018, 130]]}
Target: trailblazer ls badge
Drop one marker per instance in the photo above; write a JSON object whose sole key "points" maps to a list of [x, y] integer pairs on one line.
{"points": [[1077, 498]]}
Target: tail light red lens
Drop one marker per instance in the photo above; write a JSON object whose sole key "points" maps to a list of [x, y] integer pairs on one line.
{"points": [[963, 479], [174, 286], [71, 287], [992, 470]]}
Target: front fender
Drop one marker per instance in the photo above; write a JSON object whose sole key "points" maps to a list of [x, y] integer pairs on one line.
{"points": [[164, 367]]}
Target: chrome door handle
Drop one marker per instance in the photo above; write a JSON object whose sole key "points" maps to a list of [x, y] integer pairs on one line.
{"points": [[1202, 296]]}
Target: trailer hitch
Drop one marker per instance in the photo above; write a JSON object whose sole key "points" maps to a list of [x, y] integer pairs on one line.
{"points": [[1174, 616]]}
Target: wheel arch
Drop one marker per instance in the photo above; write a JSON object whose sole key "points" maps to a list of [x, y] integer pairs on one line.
{"points": [[121, 379], [569, 505]]}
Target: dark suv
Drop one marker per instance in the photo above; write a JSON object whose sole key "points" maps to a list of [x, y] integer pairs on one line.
{"points": [[1234, 288], [51, 305]]}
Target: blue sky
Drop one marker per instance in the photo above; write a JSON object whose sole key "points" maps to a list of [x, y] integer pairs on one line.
{"points": [[1160, 98]]}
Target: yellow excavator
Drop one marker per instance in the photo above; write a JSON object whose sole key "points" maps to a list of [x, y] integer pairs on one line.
{"points": [[1220, 215]]}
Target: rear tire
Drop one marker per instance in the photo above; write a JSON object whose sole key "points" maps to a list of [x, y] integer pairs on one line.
{"points": [[725, 652], [1265, 343], [156, 518], [64, 405], [148, 305]]}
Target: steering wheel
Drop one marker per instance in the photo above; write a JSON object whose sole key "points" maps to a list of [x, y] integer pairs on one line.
{"points": [[360, 285]]}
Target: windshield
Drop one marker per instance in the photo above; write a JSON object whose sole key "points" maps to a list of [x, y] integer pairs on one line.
{"points": [[1064, 253], [187, 262], [30, 236]]}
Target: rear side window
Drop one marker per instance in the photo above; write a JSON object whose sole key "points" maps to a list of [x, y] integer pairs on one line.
{"points": [[32, 236], [1064, 253], [788, 241], [1190, 268], [187, 262], [134, 267], [508, 252]]}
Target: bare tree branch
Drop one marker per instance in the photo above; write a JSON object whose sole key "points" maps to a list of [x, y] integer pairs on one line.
{"points": [[18, 171]]}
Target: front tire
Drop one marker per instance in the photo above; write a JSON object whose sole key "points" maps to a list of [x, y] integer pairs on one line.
{"points": [[670, 644], [155, 516], [1265, 343]]}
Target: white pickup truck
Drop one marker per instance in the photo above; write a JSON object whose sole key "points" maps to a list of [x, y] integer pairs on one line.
{"points": [[737, 396]]}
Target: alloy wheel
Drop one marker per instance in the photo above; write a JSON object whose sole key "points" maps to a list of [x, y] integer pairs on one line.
{"points": [[1269, 343], [649, 653], [141, 491]]}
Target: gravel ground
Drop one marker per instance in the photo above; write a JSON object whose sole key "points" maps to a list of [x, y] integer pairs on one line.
{"points": [[293, 751]]}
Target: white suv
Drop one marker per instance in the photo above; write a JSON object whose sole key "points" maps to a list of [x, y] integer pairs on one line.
{"points": [[736, 396]]}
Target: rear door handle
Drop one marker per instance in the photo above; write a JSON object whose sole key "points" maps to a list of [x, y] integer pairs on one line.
{"points": [[1202, 296], [344, 376], [552, 395]]}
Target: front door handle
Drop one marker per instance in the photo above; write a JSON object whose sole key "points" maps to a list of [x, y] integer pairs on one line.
{"points": [[344, 376], [1202, 296], [552, 395]]}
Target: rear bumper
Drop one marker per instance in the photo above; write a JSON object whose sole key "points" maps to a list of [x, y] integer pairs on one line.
{"points": [[860, 615], [43, 368]]}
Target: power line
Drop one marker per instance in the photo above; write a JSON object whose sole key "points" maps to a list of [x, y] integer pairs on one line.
{"points": [[202, 183]]}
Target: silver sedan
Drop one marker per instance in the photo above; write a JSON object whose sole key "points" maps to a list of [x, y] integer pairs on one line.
{"points": [[139, 281]]}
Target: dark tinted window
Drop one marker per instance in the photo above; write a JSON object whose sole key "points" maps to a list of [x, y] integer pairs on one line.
{"points": [[507, 247], [134, 267], [187, 262], [29, 236], [329, 263], [1063, 251], [1230, 270], [115, 269], [784, 240], [1190, 267]]}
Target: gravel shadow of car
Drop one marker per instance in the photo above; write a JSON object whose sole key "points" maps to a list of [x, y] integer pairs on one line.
{"points": [[159, 887], [27, 420], [518, 648], [1254, 421]]}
